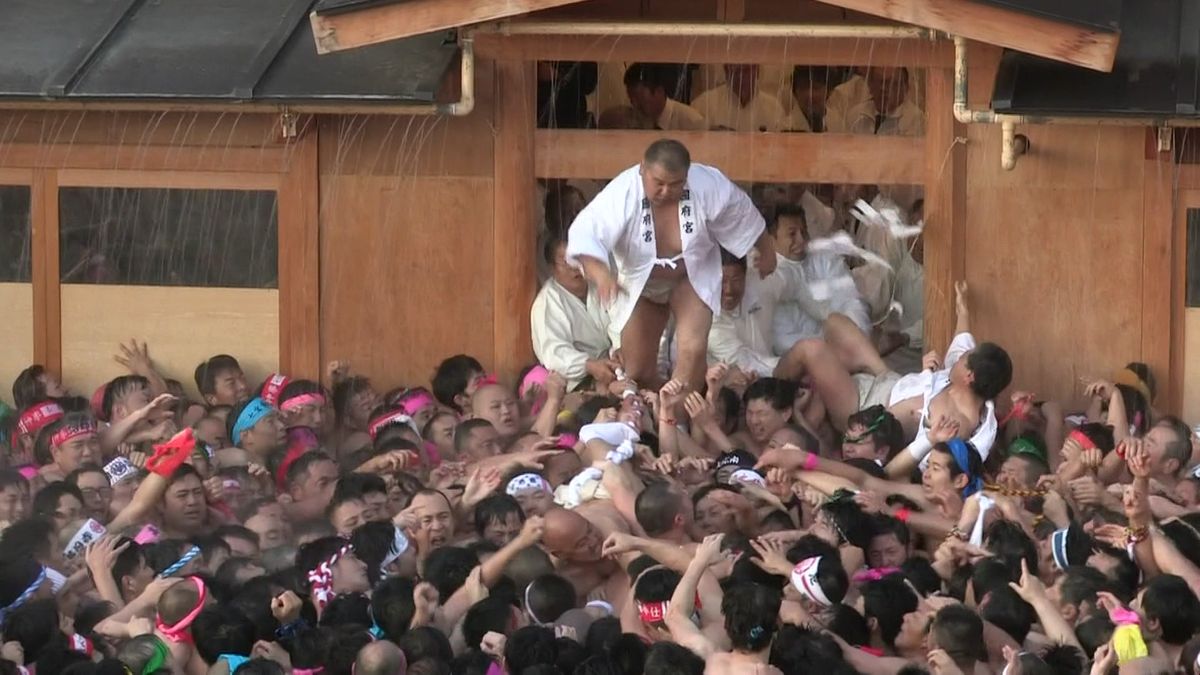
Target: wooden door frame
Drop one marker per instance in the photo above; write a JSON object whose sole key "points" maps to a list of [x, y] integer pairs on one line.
{"points": [[288, 168], [1185, 198]]}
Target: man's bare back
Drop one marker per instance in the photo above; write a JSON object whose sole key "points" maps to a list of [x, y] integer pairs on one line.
{"points": [[733, 663]]}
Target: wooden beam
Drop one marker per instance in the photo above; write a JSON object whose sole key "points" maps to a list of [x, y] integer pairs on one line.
{"points": [[1164, 278], [514, 242], [945, 167], [1055, 40], [775, 157], [143, 158], [347, 30], [47, 296], [299, 261], [910, 53]]}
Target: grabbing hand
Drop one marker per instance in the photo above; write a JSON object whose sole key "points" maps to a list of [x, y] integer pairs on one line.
{"points": [[285, 607], [931, 361], [135, 357], [1031, 589], [533, 530], [556, 386], [961, 307], [699, 409], [102, 554], [618, 543], [943, 430], [770, 558], [709, 550], [714, 377], [669, 397]]}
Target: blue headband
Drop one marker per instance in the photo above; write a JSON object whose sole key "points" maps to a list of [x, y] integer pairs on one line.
{"points": [[254, 411], [1058, 547], [25, 595], [188, 557], [962, 454]]}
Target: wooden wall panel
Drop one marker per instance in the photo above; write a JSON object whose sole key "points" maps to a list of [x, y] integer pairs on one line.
{"points": [[1054, 250], [17, 355], [177, 129], [406, 273], [181, 325]]}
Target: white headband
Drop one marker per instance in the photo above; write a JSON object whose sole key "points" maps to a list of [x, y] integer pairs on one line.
{"points": [[804, 578], [87, 533], [526, 481], [397, 549], [118, 470], [747, 476]]}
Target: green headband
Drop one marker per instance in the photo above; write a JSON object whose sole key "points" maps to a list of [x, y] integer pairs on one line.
{"points": [[846, 438], [158, 660], [1024, 446]]}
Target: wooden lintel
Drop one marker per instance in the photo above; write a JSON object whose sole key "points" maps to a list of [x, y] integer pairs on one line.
{"points": [[347, 30], [690, 49], [773, 157], [147, 158], [1055, 40]]}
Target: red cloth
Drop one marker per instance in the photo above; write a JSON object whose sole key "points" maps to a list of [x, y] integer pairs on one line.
{"points": [[171, 455]]}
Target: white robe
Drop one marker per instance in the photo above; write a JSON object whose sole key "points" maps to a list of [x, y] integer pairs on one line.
{"points": [[822, 286], [743, 336], [724, 218], [567, 332]]}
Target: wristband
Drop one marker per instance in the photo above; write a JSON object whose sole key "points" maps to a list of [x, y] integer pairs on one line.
{"points": [[171, 455], [667, 420], [920, 447], [290, 630], [811, 462], [902, 514]]}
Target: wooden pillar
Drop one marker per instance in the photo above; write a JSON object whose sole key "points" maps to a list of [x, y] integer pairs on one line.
{"points": [[299, 259], [1164, 256], [47, 296], [514, 224], [945, 206]]}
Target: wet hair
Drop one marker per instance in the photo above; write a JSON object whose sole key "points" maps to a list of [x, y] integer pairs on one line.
{"points": [[259, 666], [849, 625], [357, 485], [16, 575], [209, 370], [312, 554], [372, 541], [779, 394], [448, 567], [1170, 601], [127, 561], [346, 641], [1007, 611], [297, 471], [426, 642], [668, 658], [1101, 435], [885, 429], [549, 597], [73, 477], [488, 615], [392, 606], [452, 378], [800, 650], [41, 443], [12, 478], [867, 466], [529, 646], [974, 461], [297, 388], [669, 154], [471, 662], [778, 518], [1125, 574], [227, 573], [28, 389], [959, 632], [919, 571], [855, 526], [883, 525], [992, 368], [347, 609], [1011, 545], [656, 508], [991, 574], [1082, 584], [221, 629], [464, 429], [35, 626], [1179, 449], [345, 390], [182, 472], [496, 508], [1094, 631], [30, 538], [45, 502], [787, 211], [887, 601], [118, 389]]}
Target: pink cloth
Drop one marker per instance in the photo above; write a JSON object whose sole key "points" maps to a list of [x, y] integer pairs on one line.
{"points": [[536, 376]]}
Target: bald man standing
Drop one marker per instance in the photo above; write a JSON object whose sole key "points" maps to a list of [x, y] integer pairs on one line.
{"points": [[380, 658]]}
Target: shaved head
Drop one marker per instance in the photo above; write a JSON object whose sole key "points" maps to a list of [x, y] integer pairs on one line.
{"points": [[380, 658], [571, 537]]}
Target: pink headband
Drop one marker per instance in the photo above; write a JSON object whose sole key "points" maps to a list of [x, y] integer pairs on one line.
{"points": [[302, 400], [179, 631], [387, 419], [273, 387], [321, 578], [68, 434], [417, 402], [38, 416], [536, 376]]}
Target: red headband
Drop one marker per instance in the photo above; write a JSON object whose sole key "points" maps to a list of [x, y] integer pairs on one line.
{"points": [[656, 612], [68, 434], [273, 387], [302, 400], [1082, 439], [37, 416], [321, 578]]}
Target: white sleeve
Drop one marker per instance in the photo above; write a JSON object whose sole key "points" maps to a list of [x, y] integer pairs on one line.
{"points": [[552, 340], [597, 229], [961, 344], [724, 346], [731, 218]]}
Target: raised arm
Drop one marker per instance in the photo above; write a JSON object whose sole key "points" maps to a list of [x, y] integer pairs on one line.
{"points": [[683, 601]]}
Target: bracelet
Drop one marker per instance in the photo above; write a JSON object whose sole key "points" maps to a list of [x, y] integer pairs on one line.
{"points": [[957, 534], [1137, 535], [667, 420], [290, 630], [902, 514]]}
